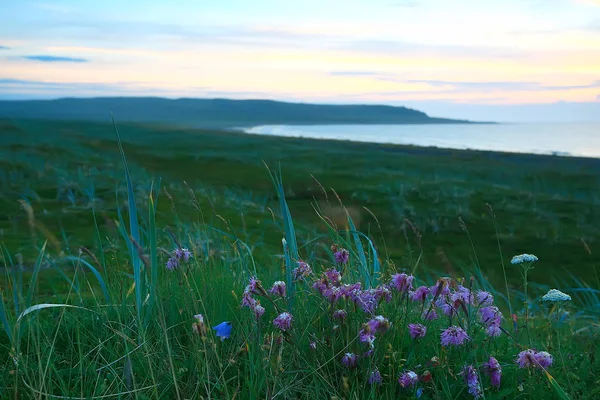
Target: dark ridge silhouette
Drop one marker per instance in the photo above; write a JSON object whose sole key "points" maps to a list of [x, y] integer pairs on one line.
{"points": [[215, 113]]}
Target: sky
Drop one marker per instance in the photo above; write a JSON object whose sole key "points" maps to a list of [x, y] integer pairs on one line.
{"points": [[477, 59]]}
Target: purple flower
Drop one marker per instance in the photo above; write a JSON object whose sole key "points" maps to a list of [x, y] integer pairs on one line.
{"points": [[366, 336], [375, 378], [493, 370], [420, 294], [484, 299], [430, 315], [446, 307], [349, 290], [544, 359], [248, 300], [472, 380], [462, 295], [379, 324], [341, 256], [332, 294], [254, 286], [493, 330], [408, 379], [172, 264], [365, 300], [350, 360], [283, 321], [258, 310], [312, 345], [382, 292], [333, 277], [526, 359], [454, 336], [340, 314], [182, 254], [417, 331], [490, 315], [441, 287], [402, 282], [278, 289], [491, 318], [302, 271]]}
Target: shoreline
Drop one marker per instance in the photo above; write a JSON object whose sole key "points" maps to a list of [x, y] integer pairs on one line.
{"points": [[252, 130]]}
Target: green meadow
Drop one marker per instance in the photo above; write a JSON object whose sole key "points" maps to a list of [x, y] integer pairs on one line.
{"points": [[81, 232]]}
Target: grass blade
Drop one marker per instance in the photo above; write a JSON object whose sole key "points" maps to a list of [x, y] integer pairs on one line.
{"points": [[38, 307], [4, 318], [94, 271], [134, 228], [153, 254], [34, 275]]}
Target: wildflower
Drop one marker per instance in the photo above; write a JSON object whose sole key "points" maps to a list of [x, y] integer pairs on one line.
{"points": [[402, 282], [283, 321], [198, 326], [441, 287], [333, 277], [248, 300], [312, 345], [454, 336], [493, 370], [446, 307], [462, 295], [365, 300], [555, 295], [172, 264], [493, 330], [278, 289], [341, 256], [526, 359], [544, 359], [302, 271], [254, 286], [472, 381], [382, 292], [490, 315], [408, 379], [430, 315], [182, 254], [223, 330], [375, 378], [340, 314], [420, 294], [523, 258], [484, 299], [379, 324], [366, 336], [417, 331], [350, 360], [258, 310], [349, 291]]}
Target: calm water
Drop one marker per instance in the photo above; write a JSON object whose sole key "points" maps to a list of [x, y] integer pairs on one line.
{"points": [[573, 139]]}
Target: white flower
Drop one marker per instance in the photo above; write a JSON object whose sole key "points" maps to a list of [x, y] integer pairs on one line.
{"points": [[555, 295], [523, 258]]}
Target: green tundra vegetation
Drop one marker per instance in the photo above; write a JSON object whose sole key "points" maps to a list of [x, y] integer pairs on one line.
{"points": [[90, 310]]}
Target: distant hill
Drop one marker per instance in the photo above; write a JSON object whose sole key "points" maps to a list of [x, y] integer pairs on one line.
{"points": [[213, 112]]}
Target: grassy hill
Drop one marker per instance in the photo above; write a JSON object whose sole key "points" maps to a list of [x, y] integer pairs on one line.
{"points": [[212, 112]]}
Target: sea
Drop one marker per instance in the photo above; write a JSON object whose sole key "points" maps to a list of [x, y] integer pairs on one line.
{"points": [[562, 139]]}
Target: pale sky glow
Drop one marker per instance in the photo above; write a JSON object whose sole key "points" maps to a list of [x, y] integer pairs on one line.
{"points": [[414, 52]]}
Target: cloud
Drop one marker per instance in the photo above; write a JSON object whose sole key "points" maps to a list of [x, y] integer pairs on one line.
{"points": [[4, 48], [354, 73], [504, 85], [46, 58]]}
